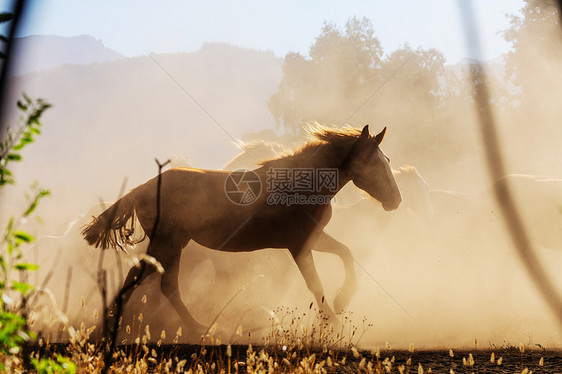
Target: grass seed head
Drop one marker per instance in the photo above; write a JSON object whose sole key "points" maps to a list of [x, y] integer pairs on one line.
{"points": [[499, 362], [181, 364], [492, 358], [362, 363], [541, 362], [213, 329]]}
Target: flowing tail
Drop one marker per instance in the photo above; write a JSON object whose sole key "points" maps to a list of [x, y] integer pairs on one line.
{"points": [[110, 228]]}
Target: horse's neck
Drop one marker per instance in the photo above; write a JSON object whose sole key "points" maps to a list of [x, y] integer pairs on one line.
{"points": [[317, 158]]}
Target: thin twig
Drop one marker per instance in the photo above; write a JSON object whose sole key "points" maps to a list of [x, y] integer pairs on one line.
{"points": [[18, 11], [67, 290], [496, 169], [118, 301], [51, 271]]}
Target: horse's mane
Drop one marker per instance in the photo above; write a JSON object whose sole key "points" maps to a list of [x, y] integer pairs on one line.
{"points": [[341, 139], [258, 144]]}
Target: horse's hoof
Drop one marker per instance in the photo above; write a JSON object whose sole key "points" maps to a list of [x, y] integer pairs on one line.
{"points": [[341, 301], [335, 324]]}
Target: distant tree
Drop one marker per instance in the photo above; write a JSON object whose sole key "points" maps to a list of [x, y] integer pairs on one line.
{"points": [[345, 68], [533, 67], [346, 78], [535, 35], [342, 66]]}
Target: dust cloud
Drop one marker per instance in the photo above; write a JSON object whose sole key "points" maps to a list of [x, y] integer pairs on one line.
{"points": [[437, 272]]}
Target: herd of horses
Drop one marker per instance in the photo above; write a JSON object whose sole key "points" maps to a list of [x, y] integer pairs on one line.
{"points": [[185, 209]]}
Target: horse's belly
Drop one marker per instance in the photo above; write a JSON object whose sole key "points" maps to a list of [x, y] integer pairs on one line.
{"points": [[258, 233]]}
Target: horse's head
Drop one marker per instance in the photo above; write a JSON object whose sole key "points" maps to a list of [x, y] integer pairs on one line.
{"points": [[370, 170]]}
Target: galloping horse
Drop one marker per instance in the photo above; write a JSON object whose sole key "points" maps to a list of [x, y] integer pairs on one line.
{"points": [[195, 205]]}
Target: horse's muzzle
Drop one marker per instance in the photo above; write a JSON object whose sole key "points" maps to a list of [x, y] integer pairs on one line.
{"points": [[392, 205]]}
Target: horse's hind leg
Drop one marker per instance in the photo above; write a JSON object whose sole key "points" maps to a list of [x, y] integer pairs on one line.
{"points": [[169, 285], [327, 244], [134, 278]]}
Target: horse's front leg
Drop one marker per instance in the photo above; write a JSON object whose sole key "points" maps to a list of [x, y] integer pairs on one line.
{"points": [[305, 263], [327, 244]]}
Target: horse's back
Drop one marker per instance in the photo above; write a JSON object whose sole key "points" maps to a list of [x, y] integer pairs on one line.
{"points": [[190, 198]]}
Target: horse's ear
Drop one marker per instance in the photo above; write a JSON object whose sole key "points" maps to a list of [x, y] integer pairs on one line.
{"points": [[364, 132], [380, 136], [364, 137]]}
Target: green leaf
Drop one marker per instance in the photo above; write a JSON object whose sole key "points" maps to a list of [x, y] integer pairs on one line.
{"points": [[39, 195], [5, 17], [4, 181], [14, 157], [21, 287], [23, 236], [21, 105], [26, 266]]}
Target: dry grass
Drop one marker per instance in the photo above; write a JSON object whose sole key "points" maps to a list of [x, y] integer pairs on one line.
{"points": [[296, 343]]}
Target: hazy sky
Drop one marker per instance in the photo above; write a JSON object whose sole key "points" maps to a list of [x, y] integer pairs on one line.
{"points": [[137, 27]]}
